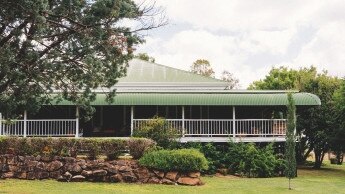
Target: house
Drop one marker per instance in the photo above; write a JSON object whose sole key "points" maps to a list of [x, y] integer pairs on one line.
{"points": [[201, 107]]}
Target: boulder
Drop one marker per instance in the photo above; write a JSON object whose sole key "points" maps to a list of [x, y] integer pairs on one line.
{"points": [[11, 159], [194, 174], [55, 174], [121, 163], [7, 175], [67, 176], [30, 176], [129, 177], [61, 179], [41, 175], [21, 175], [86, 173], [46, 159], [142, 173], [99, 173], [73, 168], [40, 166], [154, 180], [125, 169], [168, 182], [171, 175], [159, 173], [188, 181], [113, 169], [4, 168], [54, 166], [77, 178], [116, 178], [69, 159]]}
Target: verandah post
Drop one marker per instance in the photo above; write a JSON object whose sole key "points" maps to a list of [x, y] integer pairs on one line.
{"points": [[1, 133], [132, 117], [233, 122], [77, 122], [183, 130], [25, 124]]}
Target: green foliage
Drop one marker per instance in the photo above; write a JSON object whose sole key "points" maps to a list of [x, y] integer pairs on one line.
{"points": [[93, 147], [315, 125], [251, 161], [145, 57], [290, 144], [186, 160], [158, 130], [74, 46], [202, 67]]}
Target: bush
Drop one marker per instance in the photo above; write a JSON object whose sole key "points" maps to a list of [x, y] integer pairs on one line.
{"points": [[158, 130], [251, 161], [185, 160], [93, 147]]}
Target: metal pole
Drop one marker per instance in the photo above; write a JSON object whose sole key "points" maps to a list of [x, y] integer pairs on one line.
{"points": [[233, 122], [77, 122], [25, 126], [183, 130], [132, 117]]}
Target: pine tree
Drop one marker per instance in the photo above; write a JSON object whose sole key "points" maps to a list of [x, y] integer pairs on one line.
{"points": [[290, 144]]}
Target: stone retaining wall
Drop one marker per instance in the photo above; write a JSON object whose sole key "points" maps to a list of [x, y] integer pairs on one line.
{"points": [[78, 170]]}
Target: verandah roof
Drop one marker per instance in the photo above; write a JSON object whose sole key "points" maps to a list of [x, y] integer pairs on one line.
{"points": [[247, 98]]}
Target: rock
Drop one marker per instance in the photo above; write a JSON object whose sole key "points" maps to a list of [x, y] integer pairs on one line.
{"points": [[61, 179], [67, 176], [21, 175], [113, 169], [4, 168], [40, 166], [168, 182], [121, 163], [59, 158], [99, 173], [194, 174], [92, 164], [7, 175], [46, 158], [82, 163], [29, 158], [10, 151], [188, 181], [159, 173], [116, 178], [129, 177], [125, 169], [30, 176], [11, 159], [86, 173], [73, 168], [37, 158], [69, 159], [41, 175], [3, 159], [154, 180], [78, 178], [55, 174], [21, 158], [22, 168], [142, 173], [171, 175], [54, 166], [12, 168]]}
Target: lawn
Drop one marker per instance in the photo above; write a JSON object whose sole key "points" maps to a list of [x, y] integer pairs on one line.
{"points": [[331, 179]]}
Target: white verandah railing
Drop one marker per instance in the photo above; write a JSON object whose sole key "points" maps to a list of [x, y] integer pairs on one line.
{"points": [[40, 128], [224, 127]]}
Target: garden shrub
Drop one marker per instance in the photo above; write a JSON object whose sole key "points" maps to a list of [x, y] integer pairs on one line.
{"points": [[158, 130], [185, 160], [92, 147]]}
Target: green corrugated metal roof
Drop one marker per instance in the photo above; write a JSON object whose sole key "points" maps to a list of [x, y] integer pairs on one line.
{"points": [[140, 71], [185, 98]]}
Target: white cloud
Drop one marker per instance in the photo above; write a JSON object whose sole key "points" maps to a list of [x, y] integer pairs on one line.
{"points": [[248, 37]]}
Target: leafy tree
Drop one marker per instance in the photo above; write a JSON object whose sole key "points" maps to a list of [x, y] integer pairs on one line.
{"points": [[145, 57], [232, 81], [70, 46], [202, 67], [290, 144], [316, 123]]}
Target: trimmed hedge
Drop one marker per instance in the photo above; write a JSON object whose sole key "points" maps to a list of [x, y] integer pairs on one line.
{"points": [[92, 147], [186, 160]]}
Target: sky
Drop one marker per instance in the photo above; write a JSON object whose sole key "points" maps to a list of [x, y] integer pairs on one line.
{"points": [[248, 38]]}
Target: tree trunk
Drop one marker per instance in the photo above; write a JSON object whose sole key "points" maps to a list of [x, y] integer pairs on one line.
{"points": [[319, 155]]}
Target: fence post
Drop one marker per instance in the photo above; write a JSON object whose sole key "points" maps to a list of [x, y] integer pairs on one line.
{"points": [[77, 122], [25, 124], [1, 133]]}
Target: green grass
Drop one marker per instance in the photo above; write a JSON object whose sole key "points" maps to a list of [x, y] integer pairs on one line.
{"points": [[330, 179]]}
